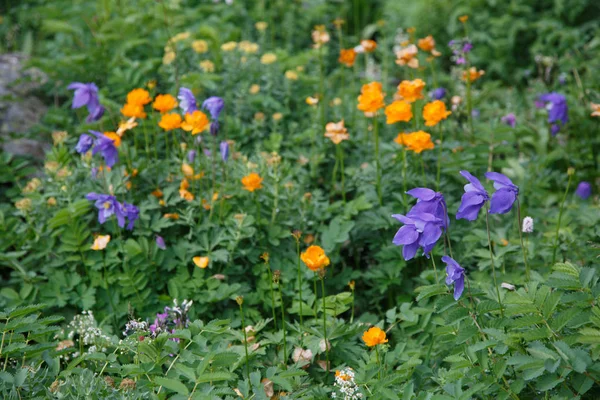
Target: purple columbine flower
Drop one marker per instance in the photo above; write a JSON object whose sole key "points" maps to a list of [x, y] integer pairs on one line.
{"points": [[558, 111], [473, 199], [107, 205], [224, 148], [505, 195], [106, 146], [160, 243], [187, 101], [438, 94], [509, 119], [84, 144], [455, 275], [429, 202], [419, 230], [461, 61], [86, 94], [584, 190], [467, 47], [191, 156], [214, 105], [132, 213]]}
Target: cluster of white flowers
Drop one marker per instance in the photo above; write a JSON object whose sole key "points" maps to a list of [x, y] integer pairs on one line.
{"points": [[84, 325], [345, 385], [134, 326], [527, 224]]}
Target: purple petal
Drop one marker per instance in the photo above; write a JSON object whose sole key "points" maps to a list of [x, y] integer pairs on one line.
{"points": [[474, 182], [502, 201], [459, 287], [469, 213], [406, 235], [409, 250], [403, 219], [422, 194]]}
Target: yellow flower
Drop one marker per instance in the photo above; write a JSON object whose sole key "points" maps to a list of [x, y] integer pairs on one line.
{"points": [[59, 137], [374, 336], [368, 45], [336, 101], [434, 112], [252, 182], [408, 56], [338, 22], [315, 258], [169, 57], [371, 98], [183, 190], [196, 122], [259, 116], [415, 141], [171, 216], [399, 110], [411, 90], [170, 121], [187, 170], [126, 125], [200, 46], [248, 47], [291, 75], [320, 36], [151, 84], [23, 204], [139, 97], [133, 111], [336, 132], [201, 262], [261, 25], [347, 57], [312, 101], [100, 242], [463, 18], [207, 66], [32, 185], [51, 201], [164, 103], [268, 58], [277, 116], [254, 89], [229, 46], [427, 43], [473, 74], [595, 110], [180, 36]]}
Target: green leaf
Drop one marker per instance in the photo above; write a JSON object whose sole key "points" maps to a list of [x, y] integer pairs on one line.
{"points": [[566, 268], [132, 248], [172, 384], [429, 291], [215, 377]]}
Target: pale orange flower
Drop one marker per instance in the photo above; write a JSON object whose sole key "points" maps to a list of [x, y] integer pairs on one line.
{"points": [[427, 43], [347, 57], [164, 103], [595, 110], [408, 56], [473, 74], [336, 132], [371, 98], [201, 262], [368, 45], [100, 242], [126, 125]]}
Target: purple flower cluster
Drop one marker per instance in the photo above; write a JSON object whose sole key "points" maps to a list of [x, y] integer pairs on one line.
{"points": [[558, 111], [584, 190], [438, 94], [424, 223], [214, 105], [86, 94], [108, 206], [187, 100], [460, 48], [172, 318], [103, 145], [509, 119], [455, 274]]}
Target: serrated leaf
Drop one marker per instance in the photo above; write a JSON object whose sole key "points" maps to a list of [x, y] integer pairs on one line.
{"points": [[172, 384]]}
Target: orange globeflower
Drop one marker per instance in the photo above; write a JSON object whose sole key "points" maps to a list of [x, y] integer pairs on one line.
{"points": [[164, 103], [133, 110], [252, 182], [374, 336], [196, 122], [427, 43], [171, 216], [347, 57], [411, 90], [336, 131], [183, 190], [315, 258], [473, 74], [399, 110], [368, 45], [407, 56], [415, 141], [595, 110], [170, 121], [115, 138], [434, 112], [201, 262], [138, 97], [463, 18], [371, 98]]}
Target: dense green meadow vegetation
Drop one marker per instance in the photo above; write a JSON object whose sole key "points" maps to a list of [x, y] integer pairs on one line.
{"points": [[303, 199]]}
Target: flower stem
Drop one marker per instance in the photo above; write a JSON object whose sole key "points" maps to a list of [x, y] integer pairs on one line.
{"points": [[377, 162], [437, 281], [439, 161], [519, 222], [245, 341], [352, 315], [560, 213], [299, 281], [378, 362], [283, 326], [272, 294], [340, 153], [322, 86], [325, 323], [487, 225], [404, 183]]}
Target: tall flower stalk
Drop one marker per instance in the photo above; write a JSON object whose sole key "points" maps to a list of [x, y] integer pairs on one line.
{"points": [[322, 277], [487, 225], [240, 301], [519, 227], [570, 172], [377, 161], [278, 282], [297, 234]]}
